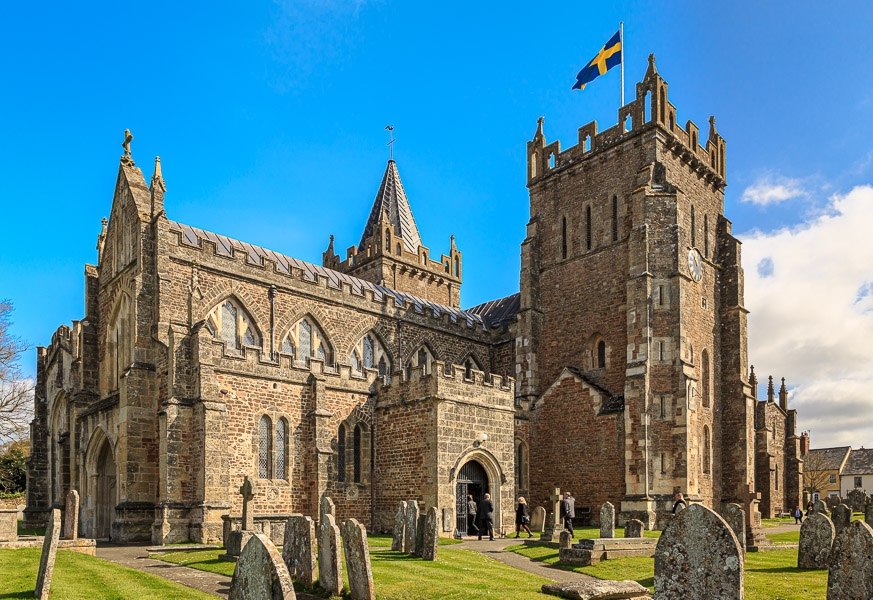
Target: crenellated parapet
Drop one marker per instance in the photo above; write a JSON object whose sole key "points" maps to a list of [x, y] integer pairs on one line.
{"points": [[448, 382], [649, 110]]}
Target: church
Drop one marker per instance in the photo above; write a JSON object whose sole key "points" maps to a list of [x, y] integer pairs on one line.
{"points": [[619, 371]]}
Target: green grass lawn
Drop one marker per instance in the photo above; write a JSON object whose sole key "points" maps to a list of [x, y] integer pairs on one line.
{"points": [[786, 537], [594, 532], [765, 523], [81, 577], [771, 575], [455, 575]]}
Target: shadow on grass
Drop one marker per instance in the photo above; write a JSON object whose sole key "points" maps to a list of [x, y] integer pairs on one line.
{"points": [[780, 570]]}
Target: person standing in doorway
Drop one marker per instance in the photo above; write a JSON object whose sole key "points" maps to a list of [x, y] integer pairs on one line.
{"points": [[568, 512], [486, 517], [471, 516], [522, 518]]}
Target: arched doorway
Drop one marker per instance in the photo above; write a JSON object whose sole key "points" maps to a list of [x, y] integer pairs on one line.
{"points": [[473, 481], [105, 492]]}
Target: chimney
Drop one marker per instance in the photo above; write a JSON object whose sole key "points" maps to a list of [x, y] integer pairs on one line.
{"points": [[804, 443]]}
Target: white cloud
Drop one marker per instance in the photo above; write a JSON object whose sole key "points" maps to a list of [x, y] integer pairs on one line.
{"points": [[810, 293], [771, 189]]}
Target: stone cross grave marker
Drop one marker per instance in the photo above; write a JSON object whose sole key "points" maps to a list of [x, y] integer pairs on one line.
{"points": [[607, 520], [633, 528], [698, 556], [850, 566], [816, 537], [411, 523], [841, 517], [397, 542], [298, 550], [248, 493], [750, 499], [260, 573], [357, 554], [49, 552], [330, 568], [553, 526], [71, 516], [431, 534]]}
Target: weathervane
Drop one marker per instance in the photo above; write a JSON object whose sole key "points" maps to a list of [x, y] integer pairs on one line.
{"points": [[390, 129]]}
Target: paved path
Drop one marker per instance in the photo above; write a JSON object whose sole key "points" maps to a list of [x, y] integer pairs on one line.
{"points": [[496, 551]]}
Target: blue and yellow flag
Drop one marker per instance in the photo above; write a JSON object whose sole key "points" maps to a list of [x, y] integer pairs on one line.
{"points": [[608, 57]]}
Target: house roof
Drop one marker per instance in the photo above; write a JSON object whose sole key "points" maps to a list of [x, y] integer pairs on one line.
{"points": [[497, 312], [830, 459], [224, 245], [393, 201], [860, 463]]}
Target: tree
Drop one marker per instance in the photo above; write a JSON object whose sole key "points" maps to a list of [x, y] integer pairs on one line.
{"points": [[16, 392], [816, 472], [13, 466]]}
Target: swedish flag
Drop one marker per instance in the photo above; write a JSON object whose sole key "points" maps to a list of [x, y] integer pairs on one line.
{"points": [[608, 57]]}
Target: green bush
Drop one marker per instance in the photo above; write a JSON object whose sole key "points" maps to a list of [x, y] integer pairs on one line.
{"points": [[13, 469]]}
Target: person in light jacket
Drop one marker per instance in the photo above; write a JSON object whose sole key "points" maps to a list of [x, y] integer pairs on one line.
{"points": [[471, 516], [522, 518], [568, 512]]}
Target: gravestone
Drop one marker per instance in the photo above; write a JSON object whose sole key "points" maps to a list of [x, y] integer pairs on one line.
{"points": [[857, 500], [71, 516], [8, 524], [868, 514], [326, 507], [820, 507], [330, 568], [419, 535], [298, 550], [598, 589], [832, 502], [538, 519], [633, 528], [260, 573], [431, 534], [755, 538], [566, 540], [397, 543], [49, 552], [448, 519], [850, 567], [698, 556], [735, 517], [553, 526], [607, 520], [161, 528], [357, 555], [841, 517], [411, 523], [248, 515], [816, 538]]}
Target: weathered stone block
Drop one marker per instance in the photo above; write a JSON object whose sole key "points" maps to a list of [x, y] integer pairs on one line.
{"points": [[841, 517], [431, 534], [261, 573], [410, 526], [398, 541], [8, 525], [850, 566], [299, 550], [47, 559], [330, 572], [816, 538], [598, 589], [633, 528], [357, 555], [565, 540], [735, 517], [538, 519], [71, 516], [607, 520]]}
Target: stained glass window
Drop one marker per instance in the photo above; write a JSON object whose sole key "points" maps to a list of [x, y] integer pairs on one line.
{"points": [[288, 346], [264, 449], [368, 352], [228, 325], [249, 337], [321, 353], [281, 429], [304, 337]]}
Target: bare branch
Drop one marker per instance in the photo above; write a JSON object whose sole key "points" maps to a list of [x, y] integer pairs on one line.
{"points": [[16, 392], [816, 472]]}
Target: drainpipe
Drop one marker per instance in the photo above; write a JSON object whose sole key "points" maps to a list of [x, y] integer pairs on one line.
{"points": [[272, 295]]}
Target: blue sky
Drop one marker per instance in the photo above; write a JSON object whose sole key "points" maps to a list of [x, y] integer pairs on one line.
{"points": [[269, 119]]}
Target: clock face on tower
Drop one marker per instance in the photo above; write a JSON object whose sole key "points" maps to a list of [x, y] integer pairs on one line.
{"points": [[695, 265]]}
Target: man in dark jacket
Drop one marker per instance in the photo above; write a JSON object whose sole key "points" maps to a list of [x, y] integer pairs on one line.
{"points": [[471, 516], [679, 505], [486, 517], [568, 512]]}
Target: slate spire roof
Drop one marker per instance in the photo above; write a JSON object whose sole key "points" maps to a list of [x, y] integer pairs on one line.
{"points": [[392, 200]]}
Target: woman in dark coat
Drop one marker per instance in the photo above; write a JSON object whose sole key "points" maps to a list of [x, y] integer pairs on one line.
{"points": [[522, 518]]}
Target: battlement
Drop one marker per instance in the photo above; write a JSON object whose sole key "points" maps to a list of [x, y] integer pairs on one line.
{"points": [[448, 382], [384, 299], [649, 110]]}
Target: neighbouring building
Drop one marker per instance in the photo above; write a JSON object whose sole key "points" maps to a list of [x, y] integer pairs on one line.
{"points": [[618, 372], [857, 473], [822, 467]]}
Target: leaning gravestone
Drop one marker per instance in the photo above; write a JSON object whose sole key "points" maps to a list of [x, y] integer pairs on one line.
{"points": [[397, 542], [260, 573], [357, 554], [607, 520], [820, 507], [698, 556], [735, 517], [857, 500], [431, 534], [538, 519], [411, 523], [47, 560], [816, 538], [841, 517], [850, 568], [633, 528], [419, 535], [71, 516], [330, 568], [298, 550]]}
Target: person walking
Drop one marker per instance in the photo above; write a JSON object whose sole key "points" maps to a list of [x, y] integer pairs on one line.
{"points": [[486, 517], [522, 518], [568, 512], [798, 515], [679, 504], [471, 516]]}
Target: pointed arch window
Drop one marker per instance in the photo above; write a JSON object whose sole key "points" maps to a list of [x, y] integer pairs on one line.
{"points": [[372, 354], [470, 365], [421, 358], [265, 450], [355, 361], [281, 449], [601, 354], [306, 339], [341, 454], [118, 343], [706, 450], [230, 323], [356, 447]]}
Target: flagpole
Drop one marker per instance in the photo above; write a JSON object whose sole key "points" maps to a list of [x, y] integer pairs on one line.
{"points": [[621, 39]]}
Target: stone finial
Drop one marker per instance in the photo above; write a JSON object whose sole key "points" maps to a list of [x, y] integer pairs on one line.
{"points": [[783, 395], [652, 69], [539, 134], [128, 138], [770, 392], [712, 131], [158, 166], [753, 382]]}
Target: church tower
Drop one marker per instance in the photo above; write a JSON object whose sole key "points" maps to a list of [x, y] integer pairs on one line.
{"points": [[391, 253], [631, 351]]}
